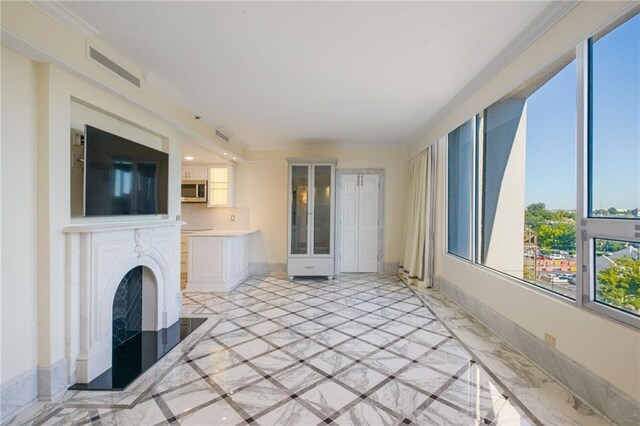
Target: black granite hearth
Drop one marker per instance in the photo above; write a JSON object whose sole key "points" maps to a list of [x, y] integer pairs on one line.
{"points": [[138, 353]]}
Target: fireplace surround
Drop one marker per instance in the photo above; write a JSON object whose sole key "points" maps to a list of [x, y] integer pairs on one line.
{"points": [[98, 257]]}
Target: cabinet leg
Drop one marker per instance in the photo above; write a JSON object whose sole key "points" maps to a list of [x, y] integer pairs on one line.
{"points": [[330, 277]]}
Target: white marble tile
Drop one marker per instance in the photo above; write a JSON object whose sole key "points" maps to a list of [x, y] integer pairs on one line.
{"points": [[259, 397], [423, 377], [235, 337], [189, 397], [330, 361], [330, 337], [386, 362], [235, 377], [399, 398], [219, 414], [360, 377], [441, 414], [356, 348], [273, 361], [253, 348], [265, 328], [289, 414], [328, 397], [367, 414], [217, 361], [304, 348], [426, 338]]}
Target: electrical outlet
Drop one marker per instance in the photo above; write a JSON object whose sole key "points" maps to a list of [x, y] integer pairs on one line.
{"points": [[233, 218], [178, 217], [550, 340]]}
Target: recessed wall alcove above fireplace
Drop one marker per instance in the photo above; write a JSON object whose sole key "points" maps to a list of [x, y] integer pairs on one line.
{"points": [[123, 293]]}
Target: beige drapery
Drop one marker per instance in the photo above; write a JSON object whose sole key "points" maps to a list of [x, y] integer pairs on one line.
{"points": [[416, 258]]}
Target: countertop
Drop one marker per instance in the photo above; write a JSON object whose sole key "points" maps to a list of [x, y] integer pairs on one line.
{"points": [[218, 232]]}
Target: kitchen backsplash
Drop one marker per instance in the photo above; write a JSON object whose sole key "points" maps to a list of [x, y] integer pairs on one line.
{"points": [[199, 216]]}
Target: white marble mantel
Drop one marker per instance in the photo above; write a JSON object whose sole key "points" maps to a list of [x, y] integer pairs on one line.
{"points": [[98, 256]]}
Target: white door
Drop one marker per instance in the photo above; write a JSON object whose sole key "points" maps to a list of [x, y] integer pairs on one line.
{"points": [[359, 242]]}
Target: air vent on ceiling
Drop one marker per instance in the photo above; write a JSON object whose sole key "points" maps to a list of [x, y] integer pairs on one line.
{"points": [[222, 136], [111, 65]]}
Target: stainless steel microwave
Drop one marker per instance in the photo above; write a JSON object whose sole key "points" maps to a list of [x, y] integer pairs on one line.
{"points": [[194, 191]]}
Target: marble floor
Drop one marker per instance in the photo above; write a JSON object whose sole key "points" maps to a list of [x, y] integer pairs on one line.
{"points": [[359, 350]]}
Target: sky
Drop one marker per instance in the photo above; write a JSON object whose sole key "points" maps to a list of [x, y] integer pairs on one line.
{"points": [[551, 128]]}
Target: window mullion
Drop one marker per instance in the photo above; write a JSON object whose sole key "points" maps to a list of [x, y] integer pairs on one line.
{"points": [[583, 276]]}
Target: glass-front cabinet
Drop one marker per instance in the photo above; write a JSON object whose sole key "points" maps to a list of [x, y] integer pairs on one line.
{"points": [[311, 217]]}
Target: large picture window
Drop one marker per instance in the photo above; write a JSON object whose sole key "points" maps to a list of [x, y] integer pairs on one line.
{"points": [[544, 184], [528, 174]]}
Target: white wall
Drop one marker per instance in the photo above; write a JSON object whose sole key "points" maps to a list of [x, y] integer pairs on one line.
{"points": [[19, 206], [607, 348], [262, 187]]}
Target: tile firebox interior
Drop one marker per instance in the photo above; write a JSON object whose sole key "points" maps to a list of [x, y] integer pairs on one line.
{"points": [[362, 349]]}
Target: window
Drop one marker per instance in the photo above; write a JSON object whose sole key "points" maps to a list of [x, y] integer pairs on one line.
{"points": [[527, 211], [612, 222], [544, 185], [459, 190]]}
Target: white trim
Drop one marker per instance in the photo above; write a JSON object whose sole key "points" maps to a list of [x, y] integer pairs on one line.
{"points": [[65, 17], [545, 20]]}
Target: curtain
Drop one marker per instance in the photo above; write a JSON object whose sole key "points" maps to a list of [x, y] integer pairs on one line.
{"points": [[416, 257]]}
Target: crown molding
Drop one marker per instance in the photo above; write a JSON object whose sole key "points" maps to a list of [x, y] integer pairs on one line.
{"points": [[156, 82], [67, 18], [543, 22]]}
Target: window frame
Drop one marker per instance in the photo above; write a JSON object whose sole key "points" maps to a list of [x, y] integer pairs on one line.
{"points": [[587, 228]]}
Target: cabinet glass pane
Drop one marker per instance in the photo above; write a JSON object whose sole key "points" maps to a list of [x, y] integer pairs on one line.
{"points": [[322, 210], [299, 209]]}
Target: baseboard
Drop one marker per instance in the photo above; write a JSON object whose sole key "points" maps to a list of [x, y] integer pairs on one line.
{"points": [[594, 390], [52, 380], [391, 267], [17, 394], [264, 268]]}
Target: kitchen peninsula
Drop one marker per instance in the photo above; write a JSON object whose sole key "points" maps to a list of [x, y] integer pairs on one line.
{"points": [[218, 260]]}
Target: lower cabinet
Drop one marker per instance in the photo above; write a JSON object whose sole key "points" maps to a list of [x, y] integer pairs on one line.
{"points": [[217, 263]]}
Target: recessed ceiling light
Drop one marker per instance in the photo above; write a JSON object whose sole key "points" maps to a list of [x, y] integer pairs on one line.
{"points": [[224, 153], [188, 158], [234, 158]]}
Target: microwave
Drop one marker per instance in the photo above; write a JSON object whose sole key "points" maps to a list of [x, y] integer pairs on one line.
{"points": [[194, 191]]}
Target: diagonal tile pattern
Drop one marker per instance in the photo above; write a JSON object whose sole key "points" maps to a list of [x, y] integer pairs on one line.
{"points": [[358, 350]]}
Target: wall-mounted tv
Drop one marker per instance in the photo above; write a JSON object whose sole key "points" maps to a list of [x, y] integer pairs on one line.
{"points": [[122, 177]]}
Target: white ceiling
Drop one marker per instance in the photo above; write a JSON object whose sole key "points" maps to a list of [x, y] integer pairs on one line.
{"points": [[283, 74]]}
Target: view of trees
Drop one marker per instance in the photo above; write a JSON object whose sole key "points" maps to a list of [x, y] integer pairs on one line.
{"points": [[619, 284], [556, 229]]}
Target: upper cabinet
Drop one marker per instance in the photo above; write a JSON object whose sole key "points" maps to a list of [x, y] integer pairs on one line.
{"points": [[194, 172], [221, 185]]}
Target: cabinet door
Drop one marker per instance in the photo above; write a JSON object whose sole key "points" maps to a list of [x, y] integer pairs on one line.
{"points": [[206, 259], [194, 172], [299, 209], [221, 186], [322, 209]]}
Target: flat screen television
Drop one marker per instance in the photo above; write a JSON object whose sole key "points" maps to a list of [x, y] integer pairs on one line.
{"points": [[122, 177]]}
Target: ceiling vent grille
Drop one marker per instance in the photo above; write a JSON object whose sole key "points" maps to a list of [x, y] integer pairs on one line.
{"points": [[222, 136], [111, 65]]}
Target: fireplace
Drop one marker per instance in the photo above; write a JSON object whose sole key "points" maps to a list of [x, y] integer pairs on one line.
{"points": [[123, 280]]}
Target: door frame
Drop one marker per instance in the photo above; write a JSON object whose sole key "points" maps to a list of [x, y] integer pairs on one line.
{"points": [[338, 211]]}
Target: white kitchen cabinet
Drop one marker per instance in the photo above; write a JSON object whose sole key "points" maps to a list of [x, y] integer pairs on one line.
{"points": [[221, 185], [311, 218], [217, 263], [194, 172]]}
